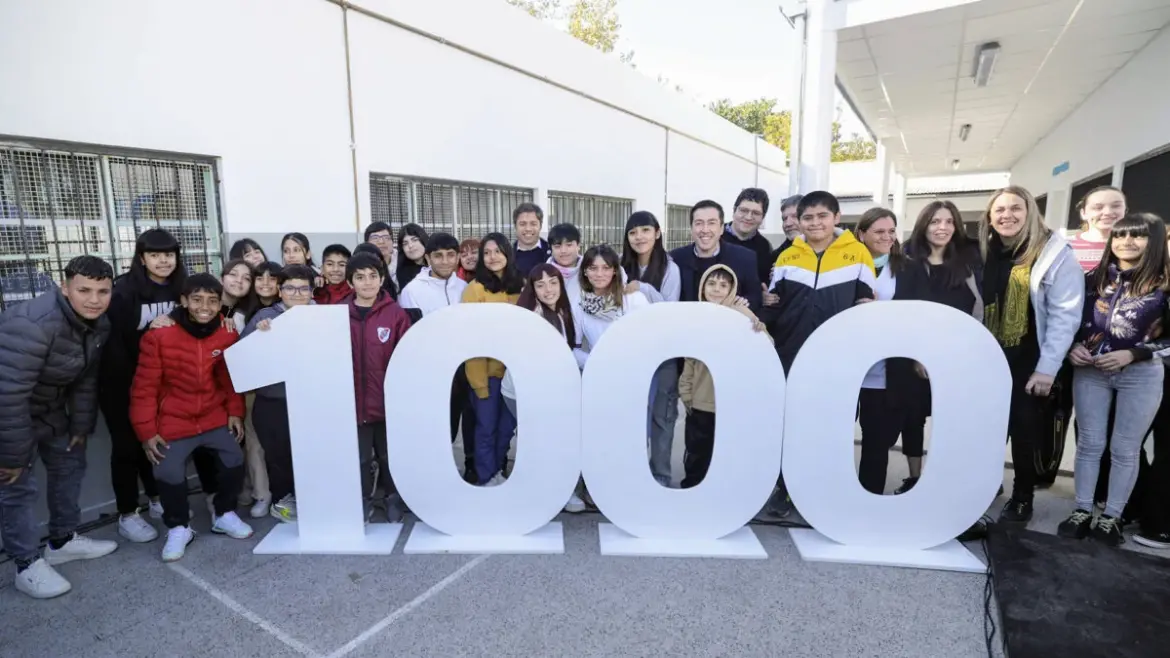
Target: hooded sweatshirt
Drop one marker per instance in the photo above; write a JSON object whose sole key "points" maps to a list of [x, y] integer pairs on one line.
{"points": [[429, 294], [136, 301], [696, 387]]}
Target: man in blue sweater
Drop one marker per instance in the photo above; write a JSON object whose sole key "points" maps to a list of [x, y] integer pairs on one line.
{"points": [[707, 249], [531, 250]]}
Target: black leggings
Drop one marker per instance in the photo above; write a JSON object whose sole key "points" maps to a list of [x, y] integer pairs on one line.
{"points": [[882, 420], [1155, 488]]}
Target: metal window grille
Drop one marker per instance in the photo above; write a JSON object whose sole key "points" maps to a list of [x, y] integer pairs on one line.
{"points": [[600, 219], [55, 205], [678, 226], [462, 209]]}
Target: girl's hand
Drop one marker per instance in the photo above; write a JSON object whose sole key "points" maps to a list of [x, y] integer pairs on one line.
{"points": [[1114, 361], [1079, 355], [758, 326], [230, 325], [161, 322], [632, 287], [318, 282], [741, 302]]}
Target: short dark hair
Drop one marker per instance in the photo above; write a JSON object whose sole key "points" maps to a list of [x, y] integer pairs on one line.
{"points": [[364, 261], [818, 198], [367, 248], [339, 249], [706, 203], [752, 194], [440, 241], [564, 233], [791, 202], [527, 208], [377, 227], [267, 267], [290, 272], [202, 282], [90, 267]]}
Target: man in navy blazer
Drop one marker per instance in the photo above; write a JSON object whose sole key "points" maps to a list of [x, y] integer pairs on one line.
{"points": [[707, 249]]}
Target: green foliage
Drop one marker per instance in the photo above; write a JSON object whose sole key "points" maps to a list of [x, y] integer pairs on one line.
{"points": [[595, 22], [760, 117], [542, 9]]}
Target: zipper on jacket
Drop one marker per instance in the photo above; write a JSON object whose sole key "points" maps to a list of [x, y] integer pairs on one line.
{"points": [[199, 388], [817, 276], [363, 416]]}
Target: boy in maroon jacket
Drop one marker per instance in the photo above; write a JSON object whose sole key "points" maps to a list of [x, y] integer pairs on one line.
{"points": [[376, 324], [183, 399]]}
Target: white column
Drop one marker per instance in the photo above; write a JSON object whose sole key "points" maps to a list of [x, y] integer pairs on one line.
{"points": [[900, 204], [798, 54], [881, 193], [820, 88], [1118, 175]]}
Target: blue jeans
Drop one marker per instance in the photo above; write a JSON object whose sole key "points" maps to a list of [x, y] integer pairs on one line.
{"points": [[660, 420], [1139, 392], [494, 427], [64, 470]]}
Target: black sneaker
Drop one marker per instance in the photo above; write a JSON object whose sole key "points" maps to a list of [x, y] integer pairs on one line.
{"points": [[1016, 511], [1107, 530], [907, 485], [1076, 526], [1153, 540], [780, 506], [394, 508], [469, 475]]}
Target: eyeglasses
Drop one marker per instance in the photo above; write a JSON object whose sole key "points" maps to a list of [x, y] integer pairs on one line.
{"points": [[379, 238], [296, 290], [750, 214]]}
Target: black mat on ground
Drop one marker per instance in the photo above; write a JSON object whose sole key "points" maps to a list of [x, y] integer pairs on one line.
{"points": [[1062, 597]]}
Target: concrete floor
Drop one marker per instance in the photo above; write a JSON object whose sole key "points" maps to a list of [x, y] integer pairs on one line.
{"points": [[221, 600]]}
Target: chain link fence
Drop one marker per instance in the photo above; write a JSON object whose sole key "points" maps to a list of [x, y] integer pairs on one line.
{"points": [[57, 204], [600, 219], [465, 210]]}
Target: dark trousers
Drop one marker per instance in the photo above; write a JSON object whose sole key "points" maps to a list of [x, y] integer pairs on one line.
{"points": [[881, 421], [64, 470], [270, 418], [1025, 426], [129, 465], [171, 474], [463, 408], [1155, 484], [1057, 412], [494, 428], [372, 448], [700, 444]]}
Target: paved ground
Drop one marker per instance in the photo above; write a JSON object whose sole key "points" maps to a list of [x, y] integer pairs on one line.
{"points": [[223, 601]]}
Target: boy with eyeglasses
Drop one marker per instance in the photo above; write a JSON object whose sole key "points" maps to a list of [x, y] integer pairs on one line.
{"points": [[270, 412], [750, 209]]}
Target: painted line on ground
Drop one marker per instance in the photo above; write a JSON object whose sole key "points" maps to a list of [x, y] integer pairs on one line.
{"points": [[236, 607], [370, 632]]}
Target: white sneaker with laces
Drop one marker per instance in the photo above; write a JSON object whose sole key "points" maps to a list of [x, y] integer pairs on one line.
{"points": [[259, 508], [80, 548], [177, 540], [41, 581], [136, 529], [232, 525], [575, 505]]}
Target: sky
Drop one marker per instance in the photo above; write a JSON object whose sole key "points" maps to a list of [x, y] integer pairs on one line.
{"points": [[736, 49]]}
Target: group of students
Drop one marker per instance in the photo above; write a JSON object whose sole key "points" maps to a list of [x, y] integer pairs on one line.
{"points": [[153, 339]]}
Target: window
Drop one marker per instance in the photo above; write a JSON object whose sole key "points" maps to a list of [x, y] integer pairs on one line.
{"points": [[57, 204], [463, 209], [678, 226], [600, 219]]}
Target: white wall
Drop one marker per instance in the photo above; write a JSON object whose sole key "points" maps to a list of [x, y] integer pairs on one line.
{"points": [[1127, 117]]}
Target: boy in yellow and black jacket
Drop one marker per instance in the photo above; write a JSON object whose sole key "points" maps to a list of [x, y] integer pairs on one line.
{"points": [[812, 286]]}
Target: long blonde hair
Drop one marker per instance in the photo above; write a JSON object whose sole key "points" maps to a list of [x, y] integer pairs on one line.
{"points": [[1034, 234]]}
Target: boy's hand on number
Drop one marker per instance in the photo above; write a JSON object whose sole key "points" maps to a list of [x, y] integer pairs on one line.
{"points": [[236, 427], [162, 322], [154, 447], [758, 326], [1039, 385], [741, 302], [264, 325], [1079, 355], [10, 475]]}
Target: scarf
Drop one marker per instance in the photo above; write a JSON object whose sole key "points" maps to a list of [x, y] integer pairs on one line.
{"points": [[600, 306], [198, 331], [880, 262], [1008, 296], [566, 272]]}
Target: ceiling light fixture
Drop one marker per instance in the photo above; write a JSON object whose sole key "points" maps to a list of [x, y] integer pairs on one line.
{"points": [[964, 131], [955, 164], [985, 56]]}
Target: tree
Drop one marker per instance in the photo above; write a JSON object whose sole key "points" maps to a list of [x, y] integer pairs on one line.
{"points": [[542, 9], [760, 118], [595, 22]]}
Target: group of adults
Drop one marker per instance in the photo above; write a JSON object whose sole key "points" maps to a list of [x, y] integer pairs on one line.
{"points": [[1085, 317]]}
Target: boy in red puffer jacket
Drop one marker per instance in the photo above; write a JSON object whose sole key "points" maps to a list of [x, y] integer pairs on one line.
{"points": [[183, 399], [336, 289], [376, 324]]}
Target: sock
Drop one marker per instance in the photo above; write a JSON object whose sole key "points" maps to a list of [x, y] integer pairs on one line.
{"points": [[21, 565], [58, 542]]}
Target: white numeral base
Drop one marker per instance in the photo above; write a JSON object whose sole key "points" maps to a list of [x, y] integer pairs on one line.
{"points": [[951, 556], [379, 539], [741, 544], [549, 540]]}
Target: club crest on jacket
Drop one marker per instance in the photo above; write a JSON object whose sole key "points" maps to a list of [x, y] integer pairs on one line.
{"points": [[383, 334]]}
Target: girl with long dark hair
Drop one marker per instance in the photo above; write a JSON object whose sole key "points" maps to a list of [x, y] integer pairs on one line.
{"points": [[412, 253], [648, 268], [265, 286], [1118, 351], [496, 281], [249, 251]]}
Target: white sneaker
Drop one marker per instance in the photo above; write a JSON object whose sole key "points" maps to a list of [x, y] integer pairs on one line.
{"points": [[177, 540], [259, 508], [232, 525], [41, 581], [80, 548], [285, 510], [496, 480], [136, 529], [575, 505]]}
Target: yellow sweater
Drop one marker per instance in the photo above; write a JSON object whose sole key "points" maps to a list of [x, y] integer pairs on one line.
{"points": [[479, 370]]}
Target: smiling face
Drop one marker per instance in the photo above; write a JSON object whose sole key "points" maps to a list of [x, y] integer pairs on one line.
{"points": [[202, 306], [88, 297], [566, 253], [253, 256], [1103, 209], [528, 229], [385, 244], [237, 281], [1009, 214], [642, 239], [494, 259], [266, 286], [748, 217], [296, 292], [443, 262], [294, 253], [706, 227], [414, 249], [817, 224], [333, 269], [468, 258], [548, 290], [600, 275], [716, 289], [159, 264], [880, 236], [941, 228], [1129, 248], [366, 284], [791, 222]]}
